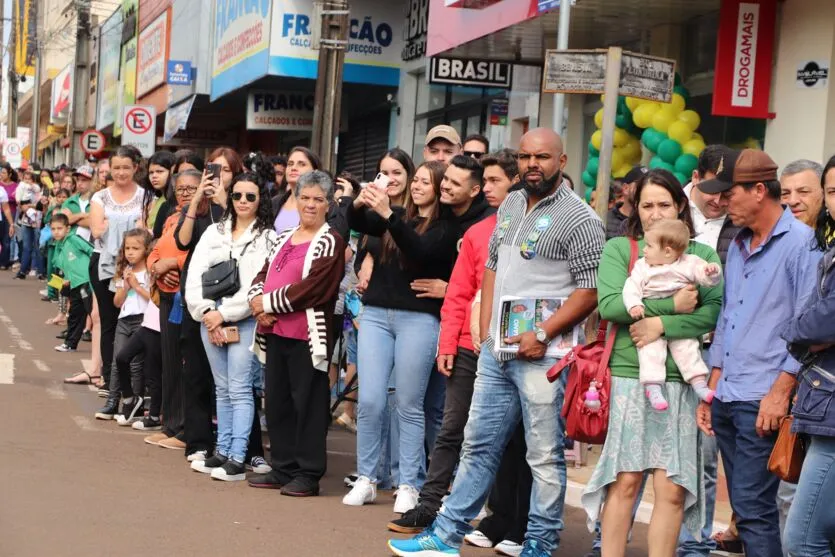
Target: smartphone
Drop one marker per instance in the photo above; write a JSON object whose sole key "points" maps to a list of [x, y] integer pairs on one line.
{"points": [[231, 334], [381, 181], [213, 170]]}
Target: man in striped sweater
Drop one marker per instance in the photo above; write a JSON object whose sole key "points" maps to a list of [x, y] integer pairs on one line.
{"points": [[547, 243]]}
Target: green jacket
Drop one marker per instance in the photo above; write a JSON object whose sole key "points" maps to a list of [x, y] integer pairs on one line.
{"points": [[611, 278], [72, 257], [74, 205]]}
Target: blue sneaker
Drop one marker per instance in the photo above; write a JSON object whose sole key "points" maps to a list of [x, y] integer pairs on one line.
{"points": [[426, 544], [533, 548]]}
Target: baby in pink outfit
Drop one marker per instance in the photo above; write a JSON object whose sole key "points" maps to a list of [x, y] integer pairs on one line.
{"points": [[664, 270]]}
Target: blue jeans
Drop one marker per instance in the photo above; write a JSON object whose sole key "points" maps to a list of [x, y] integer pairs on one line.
{"points": [[388, 473], [29, 257], [810, 528], [687, 544], [233, 370], [5, 243], [434, 407], [504, 393], [753, 489], [402, 343]]}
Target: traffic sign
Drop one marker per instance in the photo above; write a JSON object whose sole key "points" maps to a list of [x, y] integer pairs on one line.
{"points": [[92, 142], [13, 151], [139, 127]]}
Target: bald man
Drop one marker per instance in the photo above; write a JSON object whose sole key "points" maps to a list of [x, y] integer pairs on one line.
{"points": [[546, 244]]}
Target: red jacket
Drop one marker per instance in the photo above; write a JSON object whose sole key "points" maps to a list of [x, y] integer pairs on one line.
{"points": [[463, 285]]}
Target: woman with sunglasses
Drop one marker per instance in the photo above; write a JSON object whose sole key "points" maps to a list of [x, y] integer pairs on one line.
{"points": [[227, 329]]}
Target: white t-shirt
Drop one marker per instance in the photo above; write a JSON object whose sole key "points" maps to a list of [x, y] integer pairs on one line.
{"points": [[151, 320], [133, 207], [707, 230], [134, 303], [83, 231]]}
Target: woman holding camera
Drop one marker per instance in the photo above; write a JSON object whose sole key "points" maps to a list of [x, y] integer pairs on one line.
{"points": [[243, 237]]}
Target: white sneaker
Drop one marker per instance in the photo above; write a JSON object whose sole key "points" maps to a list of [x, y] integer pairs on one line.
{"points": [[197, 455], [406, 499], [347, 422], [482, 514], [509, 548], [64, 348], [258, 465], [477, 539], [364, 491]]}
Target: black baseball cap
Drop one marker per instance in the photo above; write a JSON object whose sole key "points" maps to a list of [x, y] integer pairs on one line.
{"points": [[635, 174], [724, 179]]}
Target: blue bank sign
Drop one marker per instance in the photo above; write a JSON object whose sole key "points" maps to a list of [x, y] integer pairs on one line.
{"points": [[179, 72]]}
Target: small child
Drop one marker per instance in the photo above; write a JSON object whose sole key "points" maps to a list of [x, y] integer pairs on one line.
{"points": [[72, 258], [131, 282], [664, 270]]}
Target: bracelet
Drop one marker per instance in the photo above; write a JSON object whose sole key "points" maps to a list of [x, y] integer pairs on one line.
{"points": [[190, 217]]}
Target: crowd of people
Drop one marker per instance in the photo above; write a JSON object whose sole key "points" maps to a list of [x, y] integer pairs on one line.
{"points": [[214, 291]]}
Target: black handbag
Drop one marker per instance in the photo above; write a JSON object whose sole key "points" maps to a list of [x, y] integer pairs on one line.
{"points": [[222, 279]]}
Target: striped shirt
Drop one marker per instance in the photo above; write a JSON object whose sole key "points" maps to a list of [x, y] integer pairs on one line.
{"points": [[547, 252]]}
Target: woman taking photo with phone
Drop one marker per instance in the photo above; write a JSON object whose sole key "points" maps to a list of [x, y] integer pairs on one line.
{"points": [[242, 238]]}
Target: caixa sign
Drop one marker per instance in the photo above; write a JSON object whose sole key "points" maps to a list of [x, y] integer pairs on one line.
{"points": [[367, 36], [466, 71]]}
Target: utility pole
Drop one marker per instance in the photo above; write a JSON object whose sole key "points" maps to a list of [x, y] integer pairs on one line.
{"points": [[9, 55], [328, 99], [81, 81], [12, 120], [36, 101]]}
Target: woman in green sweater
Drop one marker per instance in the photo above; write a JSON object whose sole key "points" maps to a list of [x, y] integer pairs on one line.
{"points": [[664, 445]]}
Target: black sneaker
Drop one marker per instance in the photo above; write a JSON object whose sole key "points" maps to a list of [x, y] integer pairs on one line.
{"points": [[87, 336], [208, 465], [231, 471], [413, 521], [109, 410], [148, 423], [20, 276], [271, 480], [62, 334], [301, 487], [133, 409], [41, 277]]}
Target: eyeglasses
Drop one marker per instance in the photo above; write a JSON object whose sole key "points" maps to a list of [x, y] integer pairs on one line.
{"points": [[186, 189], [251, 197], [474, 154]]}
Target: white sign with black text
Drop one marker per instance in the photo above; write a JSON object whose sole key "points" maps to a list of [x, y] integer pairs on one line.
{"points": [[812, 74], [279, 110], [465, 71]]}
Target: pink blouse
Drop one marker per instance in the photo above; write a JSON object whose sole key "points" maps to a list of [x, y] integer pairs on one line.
{"points": [[286, 269]]}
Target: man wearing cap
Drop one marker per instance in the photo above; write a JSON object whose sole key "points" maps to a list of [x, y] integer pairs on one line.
{"points": [[769, 274], [77, 207], [616, 221], [442, 143]]}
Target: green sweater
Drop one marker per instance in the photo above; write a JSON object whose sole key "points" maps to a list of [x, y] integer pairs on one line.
{"points": [[74, 205], [72, 257], [611, 277]]}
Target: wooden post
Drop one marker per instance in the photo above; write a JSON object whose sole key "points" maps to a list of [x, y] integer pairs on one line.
{"points": [[610, 110]]}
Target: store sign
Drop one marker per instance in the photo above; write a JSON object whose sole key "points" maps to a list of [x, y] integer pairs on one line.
{"points": [[414, 30], [463, 71], [647, 77], [375, 42], [744, 53], [574, 71], [108, 81], [179, 72], [279, 110], [499, 109], [153, 50], [813, 74], [242, 42], [59, 110], [546, 5]]}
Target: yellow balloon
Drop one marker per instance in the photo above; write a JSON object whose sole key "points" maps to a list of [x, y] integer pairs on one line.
{"points": [[694, 147], [662, 119], [634, 103], [617, 158], [680, 131], [631, 149], [697, 135], [642, 117], [597, 139], [692, 118], [621, 137], [622, 171], [598, 118], [677, 104]]}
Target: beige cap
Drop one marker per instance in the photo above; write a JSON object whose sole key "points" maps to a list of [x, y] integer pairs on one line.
{"points": [[447, 133]]}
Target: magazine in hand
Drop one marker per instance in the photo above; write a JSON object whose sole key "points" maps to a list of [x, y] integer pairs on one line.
{"points": [[520, 315]]}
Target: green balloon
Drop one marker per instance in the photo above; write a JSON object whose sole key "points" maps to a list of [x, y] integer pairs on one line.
{"points": [[658, 162], [678, 79], [588, 179], [624, 120], [682, 90], [669, 150], [593, 165], [652, 139], [681, 178], [589, 191], [686, 164], [593, 152], [622, 106]]}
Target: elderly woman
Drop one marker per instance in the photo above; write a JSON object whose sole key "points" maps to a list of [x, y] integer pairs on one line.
{"points": [[664, 445], [293, 298]]}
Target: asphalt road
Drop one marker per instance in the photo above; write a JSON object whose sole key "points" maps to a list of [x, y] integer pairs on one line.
{"points": [[70, 485]]}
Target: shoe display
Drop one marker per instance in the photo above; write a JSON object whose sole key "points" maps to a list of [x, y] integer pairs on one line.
{"points": [[301, 487], [231, 471], [155, 439], [426, 544], [477, 539], [172, 443], [259, 465], [511, 548], [206, 466], [364, 491], [414, 521], [148, 423], [406, 499]]}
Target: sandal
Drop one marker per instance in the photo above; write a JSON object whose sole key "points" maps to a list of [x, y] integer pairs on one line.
{"points": [[84, 378], [57, 321]]}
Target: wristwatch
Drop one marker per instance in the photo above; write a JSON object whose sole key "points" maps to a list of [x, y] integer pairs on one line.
{"points": [[541, 335]]}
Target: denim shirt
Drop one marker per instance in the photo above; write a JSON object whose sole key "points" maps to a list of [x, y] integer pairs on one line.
{"points": [[814, 411], [764, 289]]}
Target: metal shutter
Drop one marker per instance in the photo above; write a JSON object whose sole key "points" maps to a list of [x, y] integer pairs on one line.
{"points": [[363, 144]]}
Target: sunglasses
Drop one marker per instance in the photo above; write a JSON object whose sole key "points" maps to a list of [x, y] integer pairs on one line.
{"points": [[251, 197], [474, 154]]}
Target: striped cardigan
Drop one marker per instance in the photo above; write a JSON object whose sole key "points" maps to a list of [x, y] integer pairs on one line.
{"points": [[316, 293]]}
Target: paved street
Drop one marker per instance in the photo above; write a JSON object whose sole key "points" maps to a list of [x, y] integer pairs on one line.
{"points": [[70, 485]]}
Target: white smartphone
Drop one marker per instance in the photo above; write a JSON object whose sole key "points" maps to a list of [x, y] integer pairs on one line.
{"points": [[381, 181]]}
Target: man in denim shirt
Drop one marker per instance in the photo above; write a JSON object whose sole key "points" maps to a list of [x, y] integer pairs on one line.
{"points": [[769, 274]]}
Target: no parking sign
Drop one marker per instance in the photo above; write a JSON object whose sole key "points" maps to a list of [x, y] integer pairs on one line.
{"points": [[139, 128]]}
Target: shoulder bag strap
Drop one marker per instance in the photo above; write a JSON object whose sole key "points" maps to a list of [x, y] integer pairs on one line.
{"points": [[610, 339]]}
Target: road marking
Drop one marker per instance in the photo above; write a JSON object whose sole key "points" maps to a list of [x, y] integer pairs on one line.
{"points": [[55, 391], [6, 369], [41, 365], [86, 424], [14, 332]]}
